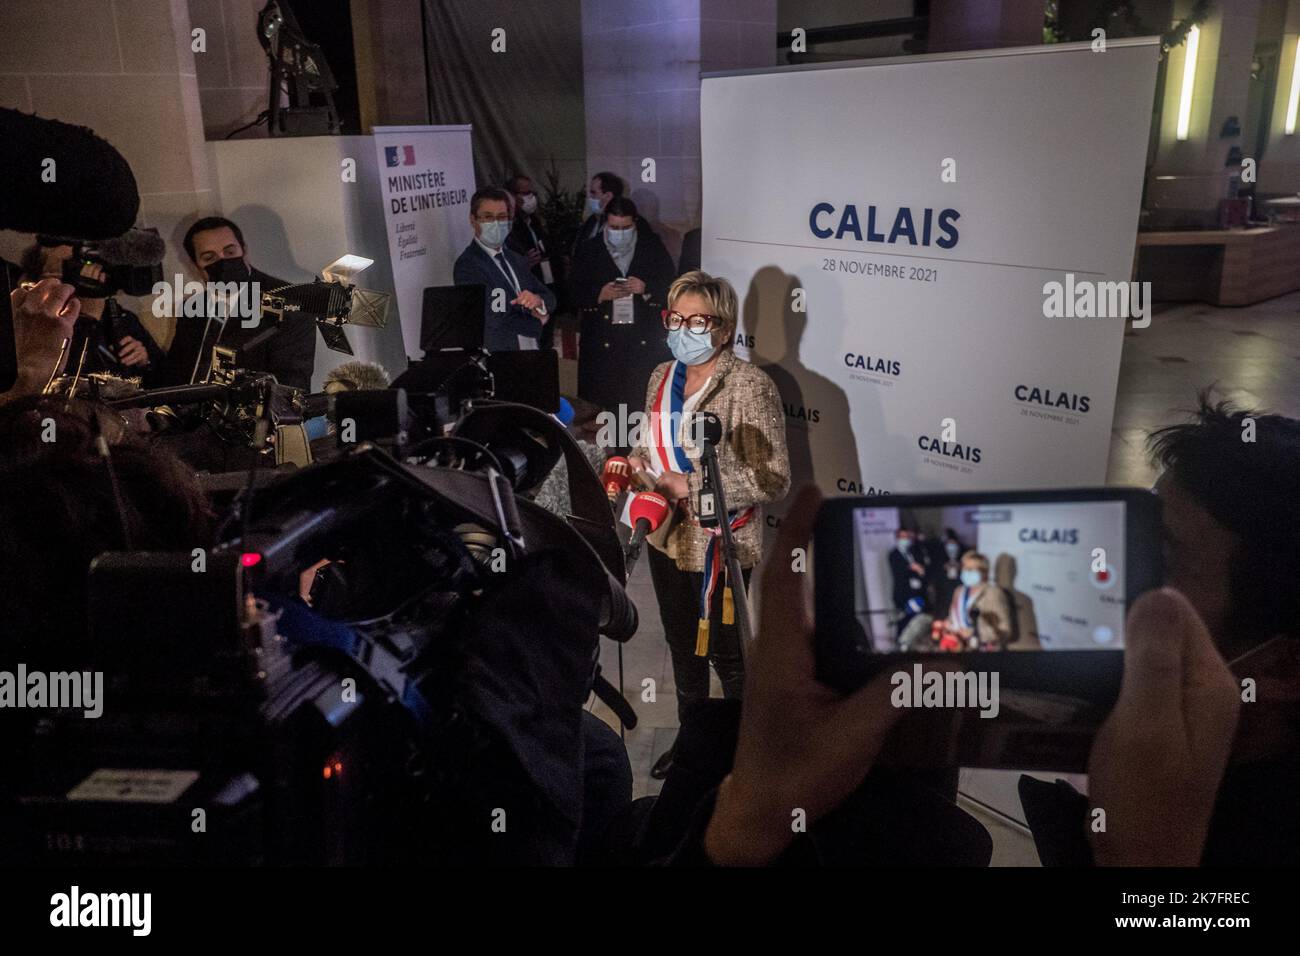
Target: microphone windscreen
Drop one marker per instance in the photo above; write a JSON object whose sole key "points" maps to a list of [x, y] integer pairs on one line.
{"points": [[89, 192], [649, 505], [616, 475], [356, 376], [565, 414], [135, 247], [709, 426]]}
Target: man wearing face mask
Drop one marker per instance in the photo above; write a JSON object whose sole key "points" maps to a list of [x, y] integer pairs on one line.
{"points": [[909, 574], [288, 351], [518, 305], [529, 236], [620, 282], [691, 584], [603, 189], [946, 573]]}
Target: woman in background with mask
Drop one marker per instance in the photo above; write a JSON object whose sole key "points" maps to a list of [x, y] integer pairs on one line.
{"points": [[689, 575], [979, 614], [619, 286]]}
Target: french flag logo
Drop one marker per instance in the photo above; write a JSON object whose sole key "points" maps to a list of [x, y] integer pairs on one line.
{"points": [[399, 155]]}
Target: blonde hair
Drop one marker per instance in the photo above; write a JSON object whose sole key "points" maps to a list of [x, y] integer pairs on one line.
{"points": [[977, 559], [714, 290]]}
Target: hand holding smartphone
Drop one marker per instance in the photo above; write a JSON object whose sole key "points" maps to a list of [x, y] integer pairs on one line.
{"points": [[1025, 591]]}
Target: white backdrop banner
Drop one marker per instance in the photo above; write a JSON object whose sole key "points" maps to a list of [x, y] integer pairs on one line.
{"points": [[890, 229], [426, 179]]}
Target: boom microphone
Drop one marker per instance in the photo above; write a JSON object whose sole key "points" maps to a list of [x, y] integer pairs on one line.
{"points": [[647, 511], [616, 476], [135, 247], [63, 180]]}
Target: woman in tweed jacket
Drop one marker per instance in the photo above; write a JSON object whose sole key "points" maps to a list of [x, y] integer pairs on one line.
{"points": [[754, 469]]}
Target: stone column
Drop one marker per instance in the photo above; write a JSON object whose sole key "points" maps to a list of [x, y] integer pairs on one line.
{"points": [[642, 65]]}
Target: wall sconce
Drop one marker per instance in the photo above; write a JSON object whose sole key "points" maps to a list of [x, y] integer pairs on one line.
{"points": [[1189, 80], [1294, 99]]}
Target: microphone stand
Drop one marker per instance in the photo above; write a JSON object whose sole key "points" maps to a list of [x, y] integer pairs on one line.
{"points": [[712, 485]]}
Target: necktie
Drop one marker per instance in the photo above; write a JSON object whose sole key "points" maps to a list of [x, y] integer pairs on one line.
{"points": [[507, 272]]}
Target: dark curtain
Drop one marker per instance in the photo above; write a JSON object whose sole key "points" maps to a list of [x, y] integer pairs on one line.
{"points": [[525, 104]]}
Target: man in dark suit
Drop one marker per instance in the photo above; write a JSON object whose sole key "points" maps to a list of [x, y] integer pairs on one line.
{"points": [[603, 189], [909, 578], [288, 351], [624, 265], [517, 305], [530, 238]]}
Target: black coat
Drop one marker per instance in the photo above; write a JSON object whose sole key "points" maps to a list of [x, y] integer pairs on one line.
{"points": [[501, 331], [523, 240], [287, 352], [900, 566], [102, 337], [615, 361]]}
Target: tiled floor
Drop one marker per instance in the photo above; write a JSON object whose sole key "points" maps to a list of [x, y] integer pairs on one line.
{"points": [[1253, 354]]}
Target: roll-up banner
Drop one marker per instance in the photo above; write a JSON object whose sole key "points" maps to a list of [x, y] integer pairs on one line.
{"points": [[933, 257], [426, 179]]}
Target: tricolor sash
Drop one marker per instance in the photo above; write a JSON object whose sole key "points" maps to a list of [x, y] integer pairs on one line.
{"points": [[961, 615], [665, 440]]}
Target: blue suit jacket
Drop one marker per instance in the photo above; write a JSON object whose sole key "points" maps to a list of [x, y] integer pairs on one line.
{"points": [[501, 330]]}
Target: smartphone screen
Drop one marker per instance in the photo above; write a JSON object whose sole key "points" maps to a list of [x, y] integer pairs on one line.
{"points": [[1014, 576], [985, 579]]}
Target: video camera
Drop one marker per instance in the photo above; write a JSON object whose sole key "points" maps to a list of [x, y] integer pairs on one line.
{"points": [[132, 263], [438, 672]]}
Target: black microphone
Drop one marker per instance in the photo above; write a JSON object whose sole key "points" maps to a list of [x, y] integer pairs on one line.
{"points": [[709, 428], [708, 431]]}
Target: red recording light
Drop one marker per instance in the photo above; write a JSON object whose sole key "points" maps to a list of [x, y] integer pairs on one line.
{"points": [[250, 558]]}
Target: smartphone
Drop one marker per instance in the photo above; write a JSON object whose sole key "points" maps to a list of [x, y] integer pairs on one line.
{"points": [[999, 615]]}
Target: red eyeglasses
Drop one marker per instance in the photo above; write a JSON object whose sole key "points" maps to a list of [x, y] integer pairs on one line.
{"points": [[697, 324]]}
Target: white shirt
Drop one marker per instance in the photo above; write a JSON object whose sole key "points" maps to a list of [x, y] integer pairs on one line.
{"points": [[508, 271], [689, 405]]}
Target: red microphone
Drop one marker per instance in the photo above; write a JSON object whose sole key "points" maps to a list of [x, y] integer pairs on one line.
{"points": [[647, 511], [616, 476]]}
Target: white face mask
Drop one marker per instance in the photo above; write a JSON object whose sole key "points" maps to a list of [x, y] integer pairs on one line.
{"points": [[529, 204], [620, 240], [493, 233]]}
